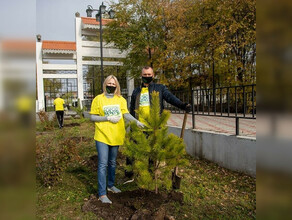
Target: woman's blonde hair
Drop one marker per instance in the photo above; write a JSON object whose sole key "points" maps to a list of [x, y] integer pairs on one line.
{"points": [[118, 89]]}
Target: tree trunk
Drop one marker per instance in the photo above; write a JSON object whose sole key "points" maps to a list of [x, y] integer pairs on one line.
{"points": [[156, 185]]}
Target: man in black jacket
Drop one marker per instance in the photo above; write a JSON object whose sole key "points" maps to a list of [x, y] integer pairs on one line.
{"points": [[141, 98]]}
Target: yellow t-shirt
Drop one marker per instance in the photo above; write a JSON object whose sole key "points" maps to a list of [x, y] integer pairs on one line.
{"points": [[144, 103], [24, 104], [106, 131], [59, 104]]}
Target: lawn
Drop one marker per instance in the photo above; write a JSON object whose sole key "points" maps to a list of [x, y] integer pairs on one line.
{"points": [[209, 191]]}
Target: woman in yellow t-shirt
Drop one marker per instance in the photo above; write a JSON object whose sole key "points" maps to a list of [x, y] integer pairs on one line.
{"points": [[108, 111]]}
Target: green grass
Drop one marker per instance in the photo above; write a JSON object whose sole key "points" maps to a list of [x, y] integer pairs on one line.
{"points": [[210, 192], [214, 192]]}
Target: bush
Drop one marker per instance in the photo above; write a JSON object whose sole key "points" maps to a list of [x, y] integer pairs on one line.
{"points": [[79, 110], [45, 122], [53, 156]]}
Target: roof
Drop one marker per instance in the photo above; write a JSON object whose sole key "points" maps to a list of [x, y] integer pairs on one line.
{"points": [[59, 45], [18, 45], [93, 21]]}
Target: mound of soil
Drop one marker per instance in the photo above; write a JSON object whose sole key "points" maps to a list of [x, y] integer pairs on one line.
{"points": [[133, 205]]}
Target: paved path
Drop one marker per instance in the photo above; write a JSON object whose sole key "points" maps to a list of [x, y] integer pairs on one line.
{"points": [[247, 127]]}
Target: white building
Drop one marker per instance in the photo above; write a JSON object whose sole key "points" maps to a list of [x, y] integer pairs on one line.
{"points": [[63, 63]]}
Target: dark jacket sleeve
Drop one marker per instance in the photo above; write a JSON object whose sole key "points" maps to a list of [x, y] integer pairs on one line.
{"points": [[172, 99], [133, 102]]}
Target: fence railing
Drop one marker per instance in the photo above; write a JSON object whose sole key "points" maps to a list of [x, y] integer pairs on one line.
{"points": [[237, 102], [232, 102]]}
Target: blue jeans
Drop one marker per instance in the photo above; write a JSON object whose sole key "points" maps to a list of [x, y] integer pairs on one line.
{"points": [[106, 163]]}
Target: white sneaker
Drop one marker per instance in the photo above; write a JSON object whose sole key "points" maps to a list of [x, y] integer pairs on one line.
{"points": [[105, 199], [114, 189]]}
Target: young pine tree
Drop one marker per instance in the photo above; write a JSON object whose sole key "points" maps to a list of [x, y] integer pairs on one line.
{"points": [[154, 152]]}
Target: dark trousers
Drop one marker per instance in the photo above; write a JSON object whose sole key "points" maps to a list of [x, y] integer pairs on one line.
{"points": [[25, 118], [60, 117], [129, 174]]}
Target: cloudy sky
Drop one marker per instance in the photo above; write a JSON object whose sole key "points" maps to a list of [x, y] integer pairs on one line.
{"points": [[53, 19], [17, 18]]}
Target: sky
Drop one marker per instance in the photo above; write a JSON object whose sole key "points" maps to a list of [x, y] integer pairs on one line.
{"points": [[56, 18], [17, 18], [53, 19]]}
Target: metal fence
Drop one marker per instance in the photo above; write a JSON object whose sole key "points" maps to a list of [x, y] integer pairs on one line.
{"points": [[232, 102], [237, 102]]}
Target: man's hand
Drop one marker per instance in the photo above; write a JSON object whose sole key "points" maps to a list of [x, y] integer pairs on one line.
{"points": [[188, 107], [140, 124], [114, 119]]}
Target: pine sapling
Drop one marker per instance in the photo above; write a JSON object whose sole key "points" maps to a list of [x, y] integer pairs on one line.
{"points": [[153, 150]]}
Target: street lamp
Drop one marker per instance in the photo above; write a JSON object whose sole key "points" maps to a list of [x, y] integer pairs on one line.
{"points": [[100, 12]]}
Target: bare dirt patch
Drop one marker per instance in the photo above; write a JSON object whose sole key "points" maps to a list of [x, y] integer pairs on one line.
{"points": [[137, 204]]}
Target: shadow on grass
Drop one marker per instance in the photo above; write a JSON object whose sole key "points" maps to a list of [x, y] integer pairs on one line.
{"points": [[224, 210], [86, 176]]}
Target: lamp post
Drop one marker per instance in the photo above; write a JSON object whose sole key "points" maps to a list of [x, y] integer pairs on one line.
{"points": [[100, 12], [213, 83]]}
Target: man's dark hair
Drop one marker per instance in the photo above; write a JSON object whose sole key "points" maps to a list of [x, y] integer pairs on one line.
{"points": [[146, 67]]}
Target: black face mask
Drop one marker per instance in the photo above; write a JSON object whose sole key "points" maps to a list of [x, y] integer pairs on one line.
{"points": [[147, 79], [110, 89]]}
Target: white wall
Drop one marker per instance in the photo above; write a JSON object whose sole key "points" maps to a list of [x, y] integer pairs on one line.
{"points": [[233, 152]]}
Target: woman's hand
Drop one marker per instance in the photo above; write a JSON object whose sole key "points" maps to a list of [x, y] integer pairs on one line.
{"points": [[140, 124], [114, 119]]}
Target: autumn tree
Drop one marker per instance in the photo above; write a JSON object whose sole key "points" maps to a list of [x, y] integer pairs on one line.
{"points": [[185, 39], [211, 36], [138, 30], [52, 86]]}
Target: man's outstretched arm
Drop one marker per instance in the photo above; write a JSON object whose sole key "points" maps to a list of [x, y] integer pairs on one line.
{"points": [[173, 100]]}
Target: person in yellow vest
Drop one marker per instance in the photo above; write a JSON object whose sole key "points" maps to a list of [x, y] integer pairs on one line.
{"points": [[59, 104], [24, 106], [108, 111]]}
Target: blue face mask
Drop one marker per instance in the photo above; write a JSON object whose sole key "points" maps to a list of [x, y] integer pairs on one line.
{"points": [[147, 79]]}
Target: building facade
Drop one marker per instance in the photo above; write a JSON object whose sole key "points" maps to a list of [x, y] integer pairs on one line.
{"points": [[72, 69]]}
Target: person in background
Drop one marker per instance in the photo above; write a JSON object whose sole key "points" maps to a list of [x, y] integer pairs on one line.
{"points": [[59, 104], [141, 100], [108, 111], [24, 107]]}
